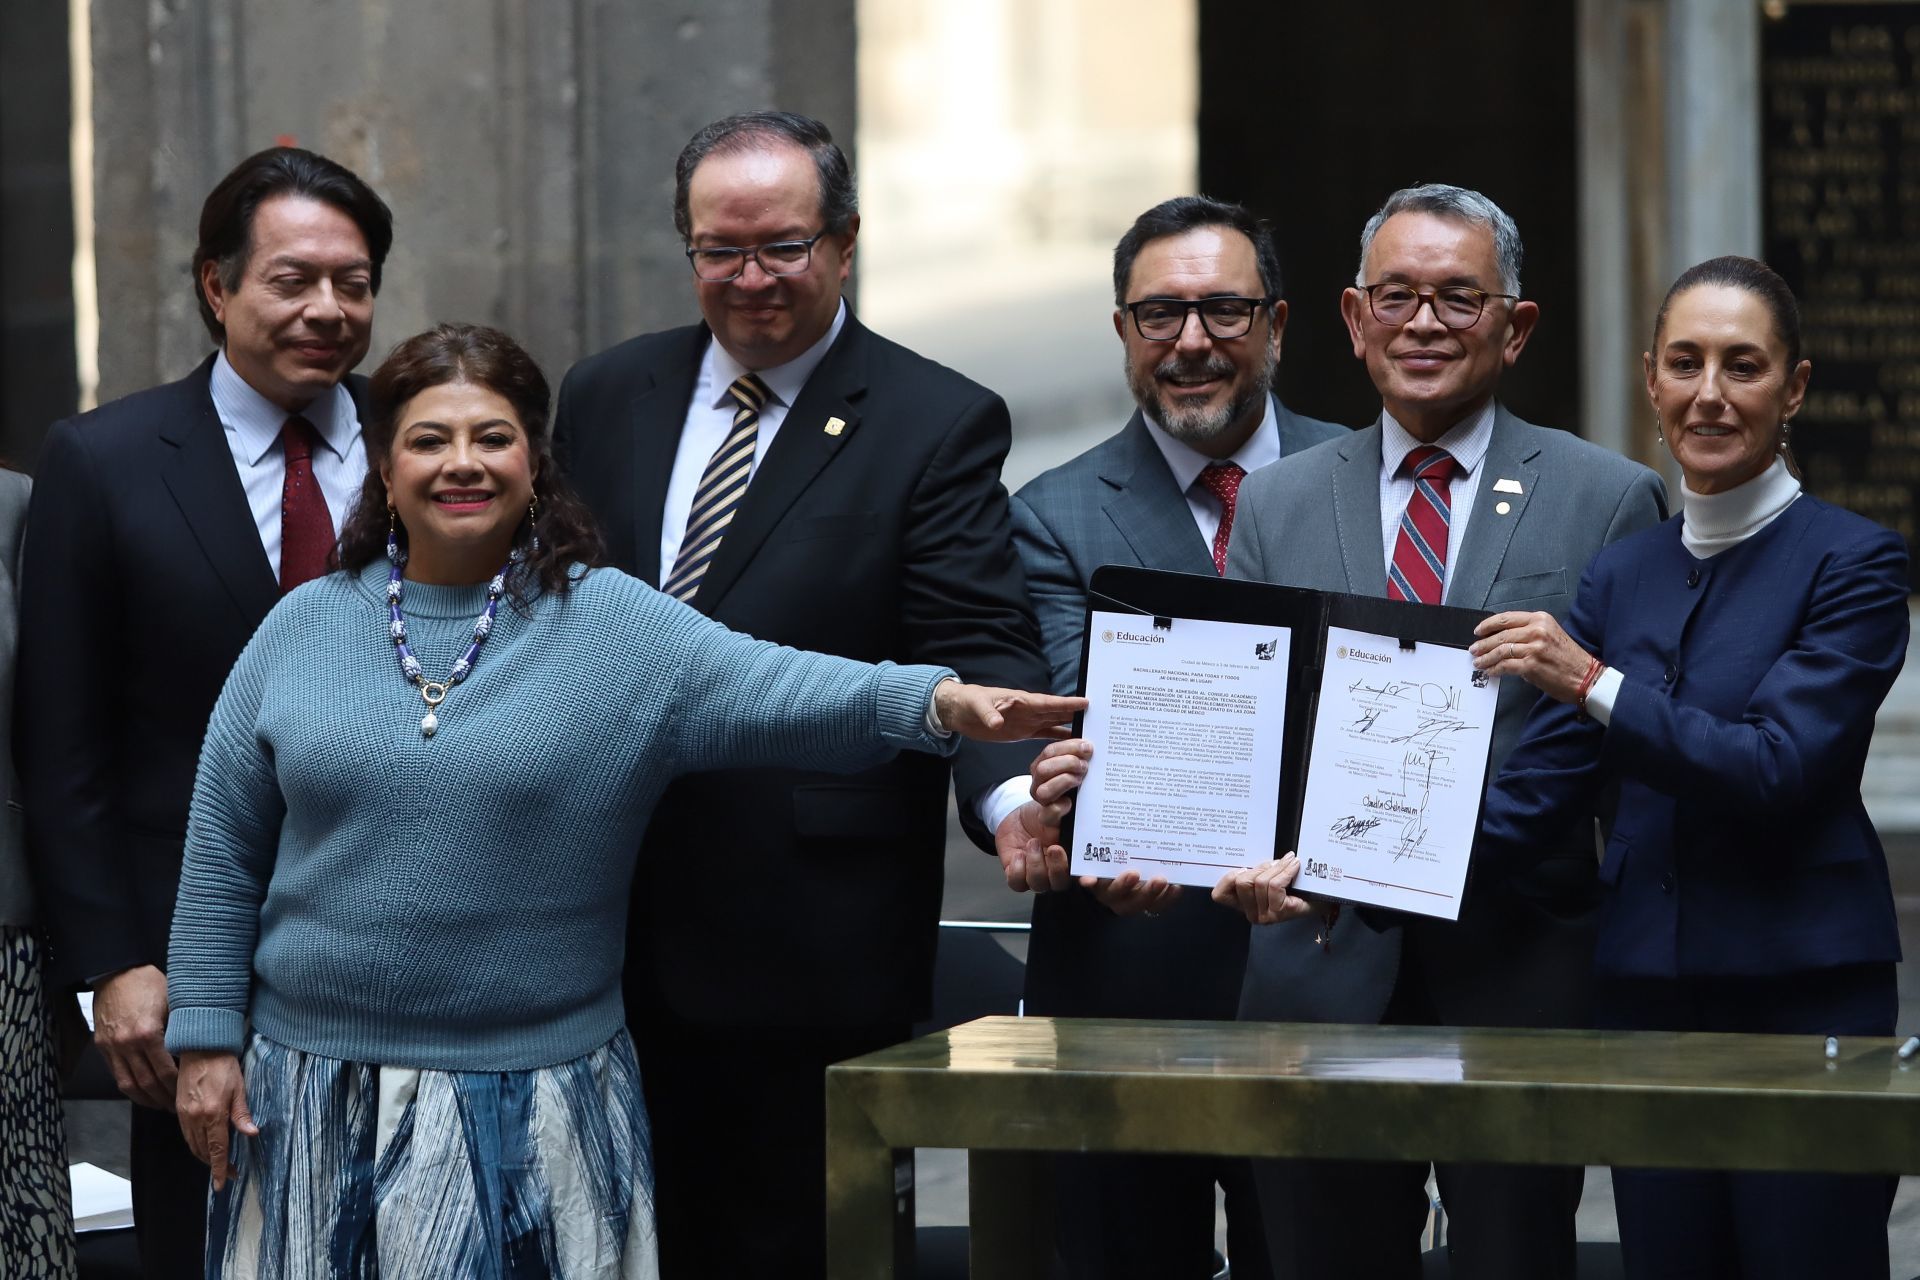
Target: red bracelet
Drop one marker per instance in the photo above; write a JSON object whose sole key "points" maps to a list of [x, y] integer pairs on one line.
{"points": [[1594, 669]]}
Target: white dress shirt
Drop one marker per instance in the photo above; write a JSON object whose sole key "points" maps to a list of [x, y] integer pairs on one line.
{"points": [[1186, 463], [1467, 441], [710, 420], [253, 424], [1711, 523]]}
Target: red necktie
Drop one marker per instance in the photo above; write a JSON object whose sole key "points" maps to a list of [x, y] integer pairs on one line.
{"points": [[1419, 569], [306, 526], [1222, 480]]}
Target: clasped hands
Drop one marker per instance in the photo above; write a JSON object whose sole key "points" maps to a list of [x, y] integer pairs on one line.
{"points": [[1028, 843]]}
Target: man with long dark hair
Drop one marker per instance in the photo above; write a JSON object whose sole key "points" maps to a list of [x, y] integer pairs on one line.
{"points": [[163, 527]]}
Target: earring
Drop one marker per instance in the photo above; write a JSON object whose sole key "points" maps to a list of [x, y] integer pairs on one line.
{"points": [[1658, 434], [394, 554], [1785, 434], [533, 528]]}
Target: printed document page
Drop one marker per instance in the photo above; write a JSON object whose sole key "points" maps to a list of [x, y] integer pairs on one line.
{"points": [[1186, 721], [1400, 742]]}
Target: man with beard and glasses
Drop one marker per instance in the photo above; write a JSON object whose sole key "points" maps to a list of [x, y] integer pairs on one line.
{"points": [[1197, 307]]}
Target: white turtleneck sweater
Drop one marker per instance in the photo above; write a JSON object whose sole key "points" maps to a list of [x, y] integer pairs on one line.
{"points": [[1709, 524]]}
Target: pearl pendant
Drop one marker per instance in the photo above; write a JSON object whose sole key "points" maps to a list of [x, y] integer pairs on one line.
{"points": [[429, 725]]}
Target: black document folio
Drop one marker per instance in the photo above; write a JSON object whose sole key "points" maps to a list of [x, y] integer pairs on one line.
{"points": [[1390, 809]]}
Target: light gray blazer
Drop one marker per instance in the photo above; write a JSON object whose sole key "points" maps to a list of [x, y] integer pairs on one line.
{"points": [[16, 890], [1313, 520]]}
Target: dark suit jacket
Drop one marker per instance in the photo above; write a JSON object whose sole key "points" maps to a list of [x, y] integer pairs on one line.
{"points": [[144, 577], [1740, 845], [16, 887], [1520, 953], [787, 897], [1118, 504]]}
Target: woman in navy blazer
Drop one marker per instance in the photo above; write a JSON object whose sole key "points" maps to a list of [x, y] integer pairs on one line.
{"points": [[1724, 669]]}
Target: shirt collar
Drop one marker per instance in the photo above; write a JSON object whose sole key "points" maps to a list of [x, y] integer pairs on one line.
{"points": [[1742, 510], [783, 381], [257, 420], [1466, 440], [1187, 462]]}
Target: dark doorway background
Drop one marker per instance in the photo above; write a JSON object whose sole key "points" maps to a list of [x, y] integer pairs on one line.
{"points": [[38, 383], [1312, 114]]}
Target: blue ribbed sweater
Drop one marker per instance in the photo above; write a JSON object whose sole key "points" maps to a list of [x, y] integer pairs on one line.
{"points": [[459, 903]]}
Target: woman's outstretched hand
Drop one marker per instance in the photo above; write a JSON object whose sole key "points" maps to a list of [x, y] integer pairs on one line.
{"points": [[986, 714]]}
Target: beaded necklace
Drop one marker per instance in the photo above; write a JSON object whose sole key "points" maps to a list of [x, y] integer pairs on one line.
{"points": [[434, 692]]}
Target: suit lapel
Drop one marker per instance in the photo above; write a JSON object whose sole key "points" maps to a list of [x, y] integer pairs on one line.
{"points": [[1149, 510], [206, 486], [1356, 513], [1489, 532], [795, 457], [658, 412]]}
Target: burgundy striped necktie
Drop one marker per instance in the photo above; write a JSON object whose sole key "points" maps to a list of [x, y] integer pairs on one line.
{"points": [[306, 526], [1419, 571]]}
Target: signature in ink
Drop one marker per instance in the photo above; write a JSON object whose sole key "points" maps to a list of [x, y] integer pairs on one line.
{"points": [[1352, 828], [1431, 729], [1366, 719], [1391, 689], [1416, 775]]}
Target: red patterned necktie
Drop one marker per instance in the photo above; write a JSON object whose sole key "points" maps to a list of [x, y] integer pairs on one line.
{"points": [[306, 526], [1222, 480], [1419, 569]]}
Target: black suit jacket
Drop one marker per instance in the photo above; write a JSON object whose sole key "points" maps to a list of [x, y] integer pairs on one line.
{"points": [[787, 897], [1117, 503], [143, 579]]}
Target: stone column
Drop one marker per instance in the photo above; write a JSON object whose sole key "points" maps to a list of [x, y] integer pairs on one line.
{"points": [[526, 148], [37, 382], [1713, 130]]}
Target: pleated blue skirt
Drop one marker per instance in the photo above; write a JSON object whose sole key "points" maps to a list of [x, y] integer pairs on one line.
{"points": [[363, 1172]]}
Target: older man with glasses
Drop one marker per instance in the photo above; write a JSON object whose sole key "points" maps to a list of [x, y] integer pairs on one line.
{"points": [[1446, 498], [787, 471]]}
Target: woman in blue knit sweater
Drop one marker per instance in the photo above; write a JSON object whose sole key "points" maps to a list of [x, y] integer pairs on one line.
{"points": [[412, 835]]}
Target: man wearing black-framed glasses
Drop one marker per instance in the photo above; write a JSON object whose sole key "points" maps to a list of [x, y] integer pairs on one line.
{"points": [[1198, 312], [1446, 498], [787, 471]]}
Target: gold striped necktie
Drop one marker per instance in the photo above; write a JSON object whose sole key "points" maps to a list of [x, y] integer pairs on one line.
{"points": [[722, 486]]}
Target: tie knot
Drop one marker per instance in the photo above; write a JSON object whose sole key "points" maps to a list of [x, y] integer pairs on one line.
{"points": [[1429, 462], [296, 438], [1222, 480], [749, 392]]}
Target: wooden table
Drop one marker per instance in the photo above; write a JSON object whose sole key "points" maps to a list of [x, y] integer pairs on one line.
{"points": [[1013, 1090]]}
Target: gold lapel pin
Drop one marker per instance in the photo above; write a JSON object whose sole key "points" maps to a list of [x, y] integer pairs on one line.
{"points": [[834, 426]]}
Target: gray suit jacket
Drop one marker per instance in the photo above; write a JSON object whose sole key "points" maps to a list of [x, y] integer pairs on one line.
{"points": [[1520, 953], [1117, 503], [16, 890]]}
